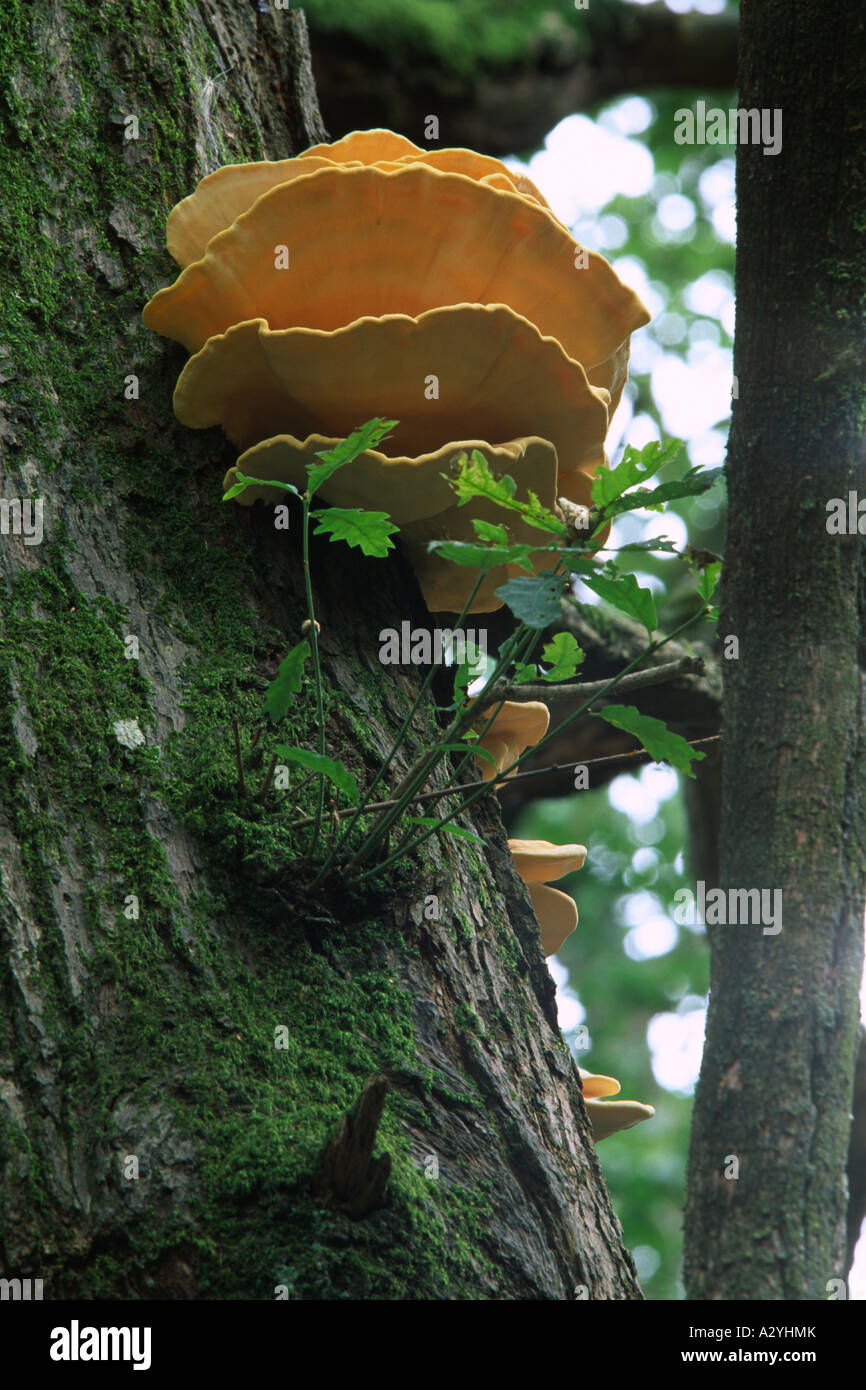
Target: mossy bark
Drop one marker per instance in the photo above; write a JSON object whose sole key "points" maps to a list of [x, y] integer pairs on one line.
{"points": [[767, 1194], [181, 1030]]}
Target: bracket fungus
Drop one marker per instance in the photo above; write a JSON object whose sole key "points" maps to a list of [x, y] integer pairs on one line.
{"points": [[371, 277], [222, 196], [517, 725], [422, 238], [556, 913], [537, 861], [609, 1116], [495, 373], [595, 1085]]}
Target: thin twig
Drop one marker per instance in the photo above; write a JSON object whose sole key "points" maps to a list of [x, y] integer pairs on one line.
{"points": [[654, 675], [317, 667], [335, 825], [494, 783], [266, 780], [407, 845], [359, 810], [242, 786]]}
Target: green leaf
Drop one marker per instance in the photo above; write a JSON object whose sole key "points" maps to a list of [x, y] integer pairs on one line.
{"points": [[565, 656], [660, 742], [490, 531], [709, 579], [482, 557], [635, 466], [655, 543], [244, 482], [368, 530], [578, 561], [468, 672], [475, 479], [317, 762], [536, 514], [625, 594], [450, 829], [526, 671], [535, 601], [290, 676], [692, 484], [366, 437]]}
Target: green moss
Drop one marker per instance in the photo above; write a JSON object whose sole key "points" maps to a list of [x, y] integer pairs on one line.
{"points": [[197, 983], [468, 1020]]}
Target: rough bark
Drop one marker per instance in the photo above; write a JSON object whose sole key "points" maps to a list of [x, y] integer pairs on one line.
{"points": [[154, 946], [776, 1086], [614, 49]]}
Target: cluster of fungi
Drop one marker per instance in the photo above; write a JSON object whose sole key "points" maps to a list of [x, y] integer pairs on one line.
{"points": [[516, 727], [369, 278]]}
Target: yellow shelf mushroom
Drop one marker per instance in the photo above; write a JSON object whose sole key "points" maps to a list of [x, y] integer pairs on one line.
{"points": [[222, 196], [420, 239], [537, 861], [494, 372], [606, 1116], [435, 287], [411, 485], [556, 913], [595, 1085], [517, 725], [610, 1116]]}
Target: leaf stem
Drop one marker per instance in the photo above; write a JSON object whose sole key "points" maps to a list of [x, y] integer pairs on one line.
{"points": [[494, 782], [346, 832], [422, 768], [317, 668], [242, 786], [407, 845]]}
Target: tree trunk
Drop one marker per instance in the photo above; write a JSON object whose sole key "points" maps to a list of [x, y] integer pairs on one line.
{"points": [[767, 1193], [183, 1032]]}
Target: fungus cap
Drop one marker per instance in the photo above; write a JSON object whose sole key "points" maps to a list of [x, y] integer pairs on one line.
{"points": [[595, 1085], [406, 487], [498, 379], [422, 239], [221, 197], [518, 725], [367, 146], [556, 913], [378, 146], [610, 1116], [539, 861]]}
